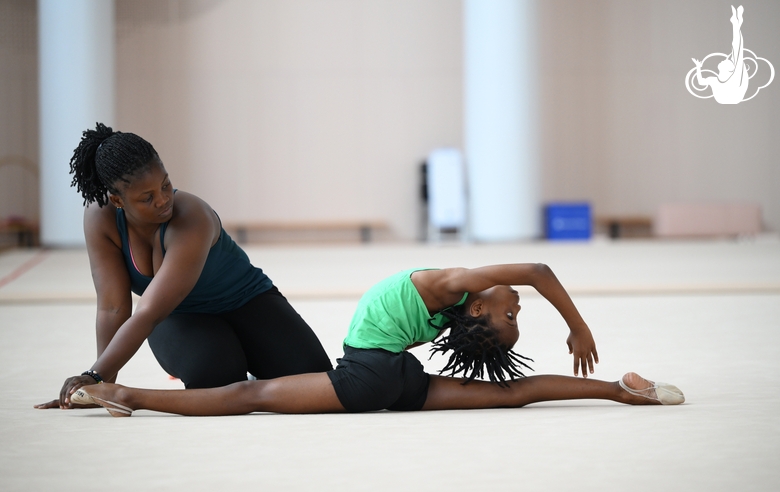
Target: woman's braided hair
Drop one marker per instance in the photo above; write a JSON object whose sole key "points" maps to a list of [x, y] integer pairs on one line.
{"points": [[104, 158], [476, 349]]}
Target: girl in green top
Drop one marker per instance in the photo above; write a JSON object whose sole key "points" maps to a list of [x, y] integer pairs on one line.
{"points": [[470, 313]]}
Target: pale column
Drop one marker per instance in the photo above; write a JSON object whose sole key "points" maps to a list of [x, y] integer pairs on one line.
{"points": [[76, 73], [500, 119]]}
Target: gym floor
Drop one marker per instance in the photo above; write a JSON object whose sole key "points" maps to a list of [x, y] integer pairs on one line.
{"points": [[703, 315]]}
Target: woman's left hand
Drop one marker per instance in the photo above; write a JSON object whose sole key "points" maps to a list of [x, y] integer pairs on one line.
{"points": [[583, 348]]}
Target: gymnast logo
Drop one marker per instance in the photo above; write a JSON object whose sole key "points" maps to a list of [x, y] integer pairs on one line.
{"points": [[730, 84]]}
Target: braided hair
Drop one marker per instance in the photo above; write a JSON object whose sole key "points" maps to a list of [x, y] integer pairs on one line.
{"points": [[105, 158], [476, 349]]}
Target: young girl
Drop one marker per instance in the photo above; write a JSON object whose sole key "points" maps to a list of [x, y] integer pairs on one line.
{"points": [[209, 315], [477, 307]]}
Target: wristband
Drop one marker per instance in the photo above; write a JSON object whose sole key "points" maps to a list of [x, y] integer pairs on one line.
{"points": [[94, 375]]}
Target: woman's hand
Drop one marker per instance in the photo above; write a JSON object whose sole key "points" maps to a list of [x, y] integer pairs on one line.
{"points": [[56, 404], [48, 404], [583, 347], [71, 385]]}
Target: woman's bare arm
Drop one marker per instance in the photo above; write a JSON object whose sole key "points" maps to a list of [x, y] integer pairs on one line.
{"points": [[190, 235], [111, 280], [109, 273]]}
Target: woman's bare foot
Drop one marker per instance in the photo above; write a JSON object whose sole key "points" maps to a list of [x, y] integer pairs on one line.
{"points": [[641, 391], [107, 395]]}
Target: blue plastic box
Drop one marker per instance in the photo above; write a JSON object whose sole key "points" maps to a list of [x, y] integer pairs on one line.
{"points": [[567, 221]]}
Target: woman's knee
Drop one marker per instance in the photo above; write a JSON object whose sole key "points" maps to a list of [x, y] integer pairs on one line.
{"points": [[201, 350]]}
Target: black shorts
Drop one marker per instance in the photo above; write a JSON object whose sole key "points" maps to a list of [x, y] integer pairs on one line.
{"points": [[375, 379]]}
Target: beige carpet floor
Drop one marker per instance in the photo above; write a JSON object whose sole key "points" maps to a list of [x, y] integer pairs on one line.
{"points": [[702, 315]]}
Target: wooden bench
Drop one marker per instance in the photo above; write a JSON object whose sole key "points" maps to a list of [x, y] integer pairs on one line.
{"points": [[618, 226], [24, 232], [362, 230], [718, 219], [18, 180]]}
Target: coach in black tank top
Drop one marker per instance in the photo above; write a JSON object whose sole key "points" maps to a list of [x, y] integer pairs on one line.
{"points": [[209, 315], [227, 282]]}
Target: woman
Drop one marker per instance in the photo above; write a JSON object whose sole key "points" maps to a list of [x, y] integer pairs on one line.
{"points": [[413, 307], [208, 314]]}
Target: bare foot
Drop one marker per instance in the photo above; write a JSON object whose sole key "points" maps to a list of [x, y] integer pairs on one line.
{"points": [[107, 395], [641, 391]]}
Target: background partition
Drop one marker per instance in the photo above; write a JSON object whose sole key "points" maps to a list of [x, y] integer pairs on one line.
{"points": [[76, 58], [500, 119]]}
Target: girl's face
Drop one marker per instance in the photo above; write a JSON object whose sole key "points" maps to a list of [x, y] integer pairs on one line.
{"points": [[502, 306], [148, 198]]}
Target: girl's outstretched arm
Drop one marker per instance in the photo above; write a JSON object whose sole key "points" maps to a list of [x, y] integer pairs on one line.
{"points": [[442, 288]]}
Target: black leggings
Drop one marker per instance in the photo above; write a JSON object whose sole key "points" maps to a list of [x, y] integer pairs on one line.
{"points": [[265, 337]]}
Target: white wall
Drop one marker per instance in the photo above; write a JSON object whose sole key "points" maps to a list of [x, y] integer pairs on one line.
{"points": [[295, 109], [620, 128]]}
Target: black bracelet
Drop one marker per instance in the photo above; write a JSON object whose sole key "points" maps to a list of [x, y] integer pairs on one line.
{"points": [[94, 375]]}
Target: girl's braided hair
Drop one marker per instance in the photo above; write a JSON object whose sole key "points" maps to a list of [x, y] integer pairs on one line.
{"points": [[476, 349], [104, 158]]}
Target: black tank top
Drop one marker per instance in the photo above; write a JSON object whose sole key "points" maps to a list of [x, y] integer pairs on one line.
{"points": [[227, 282]]}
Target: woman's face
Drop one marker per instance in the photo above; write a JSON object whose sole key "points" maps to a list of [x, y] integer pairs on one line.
{"points": [[148, 198], [502, 306]]}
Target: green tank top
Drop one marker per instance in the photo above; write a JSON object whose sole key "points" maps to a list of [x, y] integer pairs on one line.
{"points": [[391, 315]]}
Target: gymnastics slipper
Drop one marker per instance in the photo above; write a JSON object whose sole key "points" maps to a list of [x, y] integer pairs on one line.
{"points": [[667, 394], [115, 409]]}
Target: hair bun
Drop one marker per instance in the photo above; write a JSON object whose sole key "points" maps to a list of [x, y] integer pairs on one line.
{"points": [[83, 165]]}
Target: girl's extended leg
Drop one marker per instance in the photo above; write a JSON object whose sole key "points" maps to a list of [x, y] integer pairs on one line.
{"points": [[304, 393], [449, 393]]}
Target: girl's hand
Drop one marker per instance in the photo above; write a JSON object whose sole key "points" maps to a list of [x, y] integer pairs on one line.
{"points": [[583, 347]]}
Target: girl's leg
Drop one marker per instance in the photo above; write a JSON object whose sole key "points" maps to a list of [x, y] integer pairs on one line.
{"points": [[449, 393], [305, 393]]}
